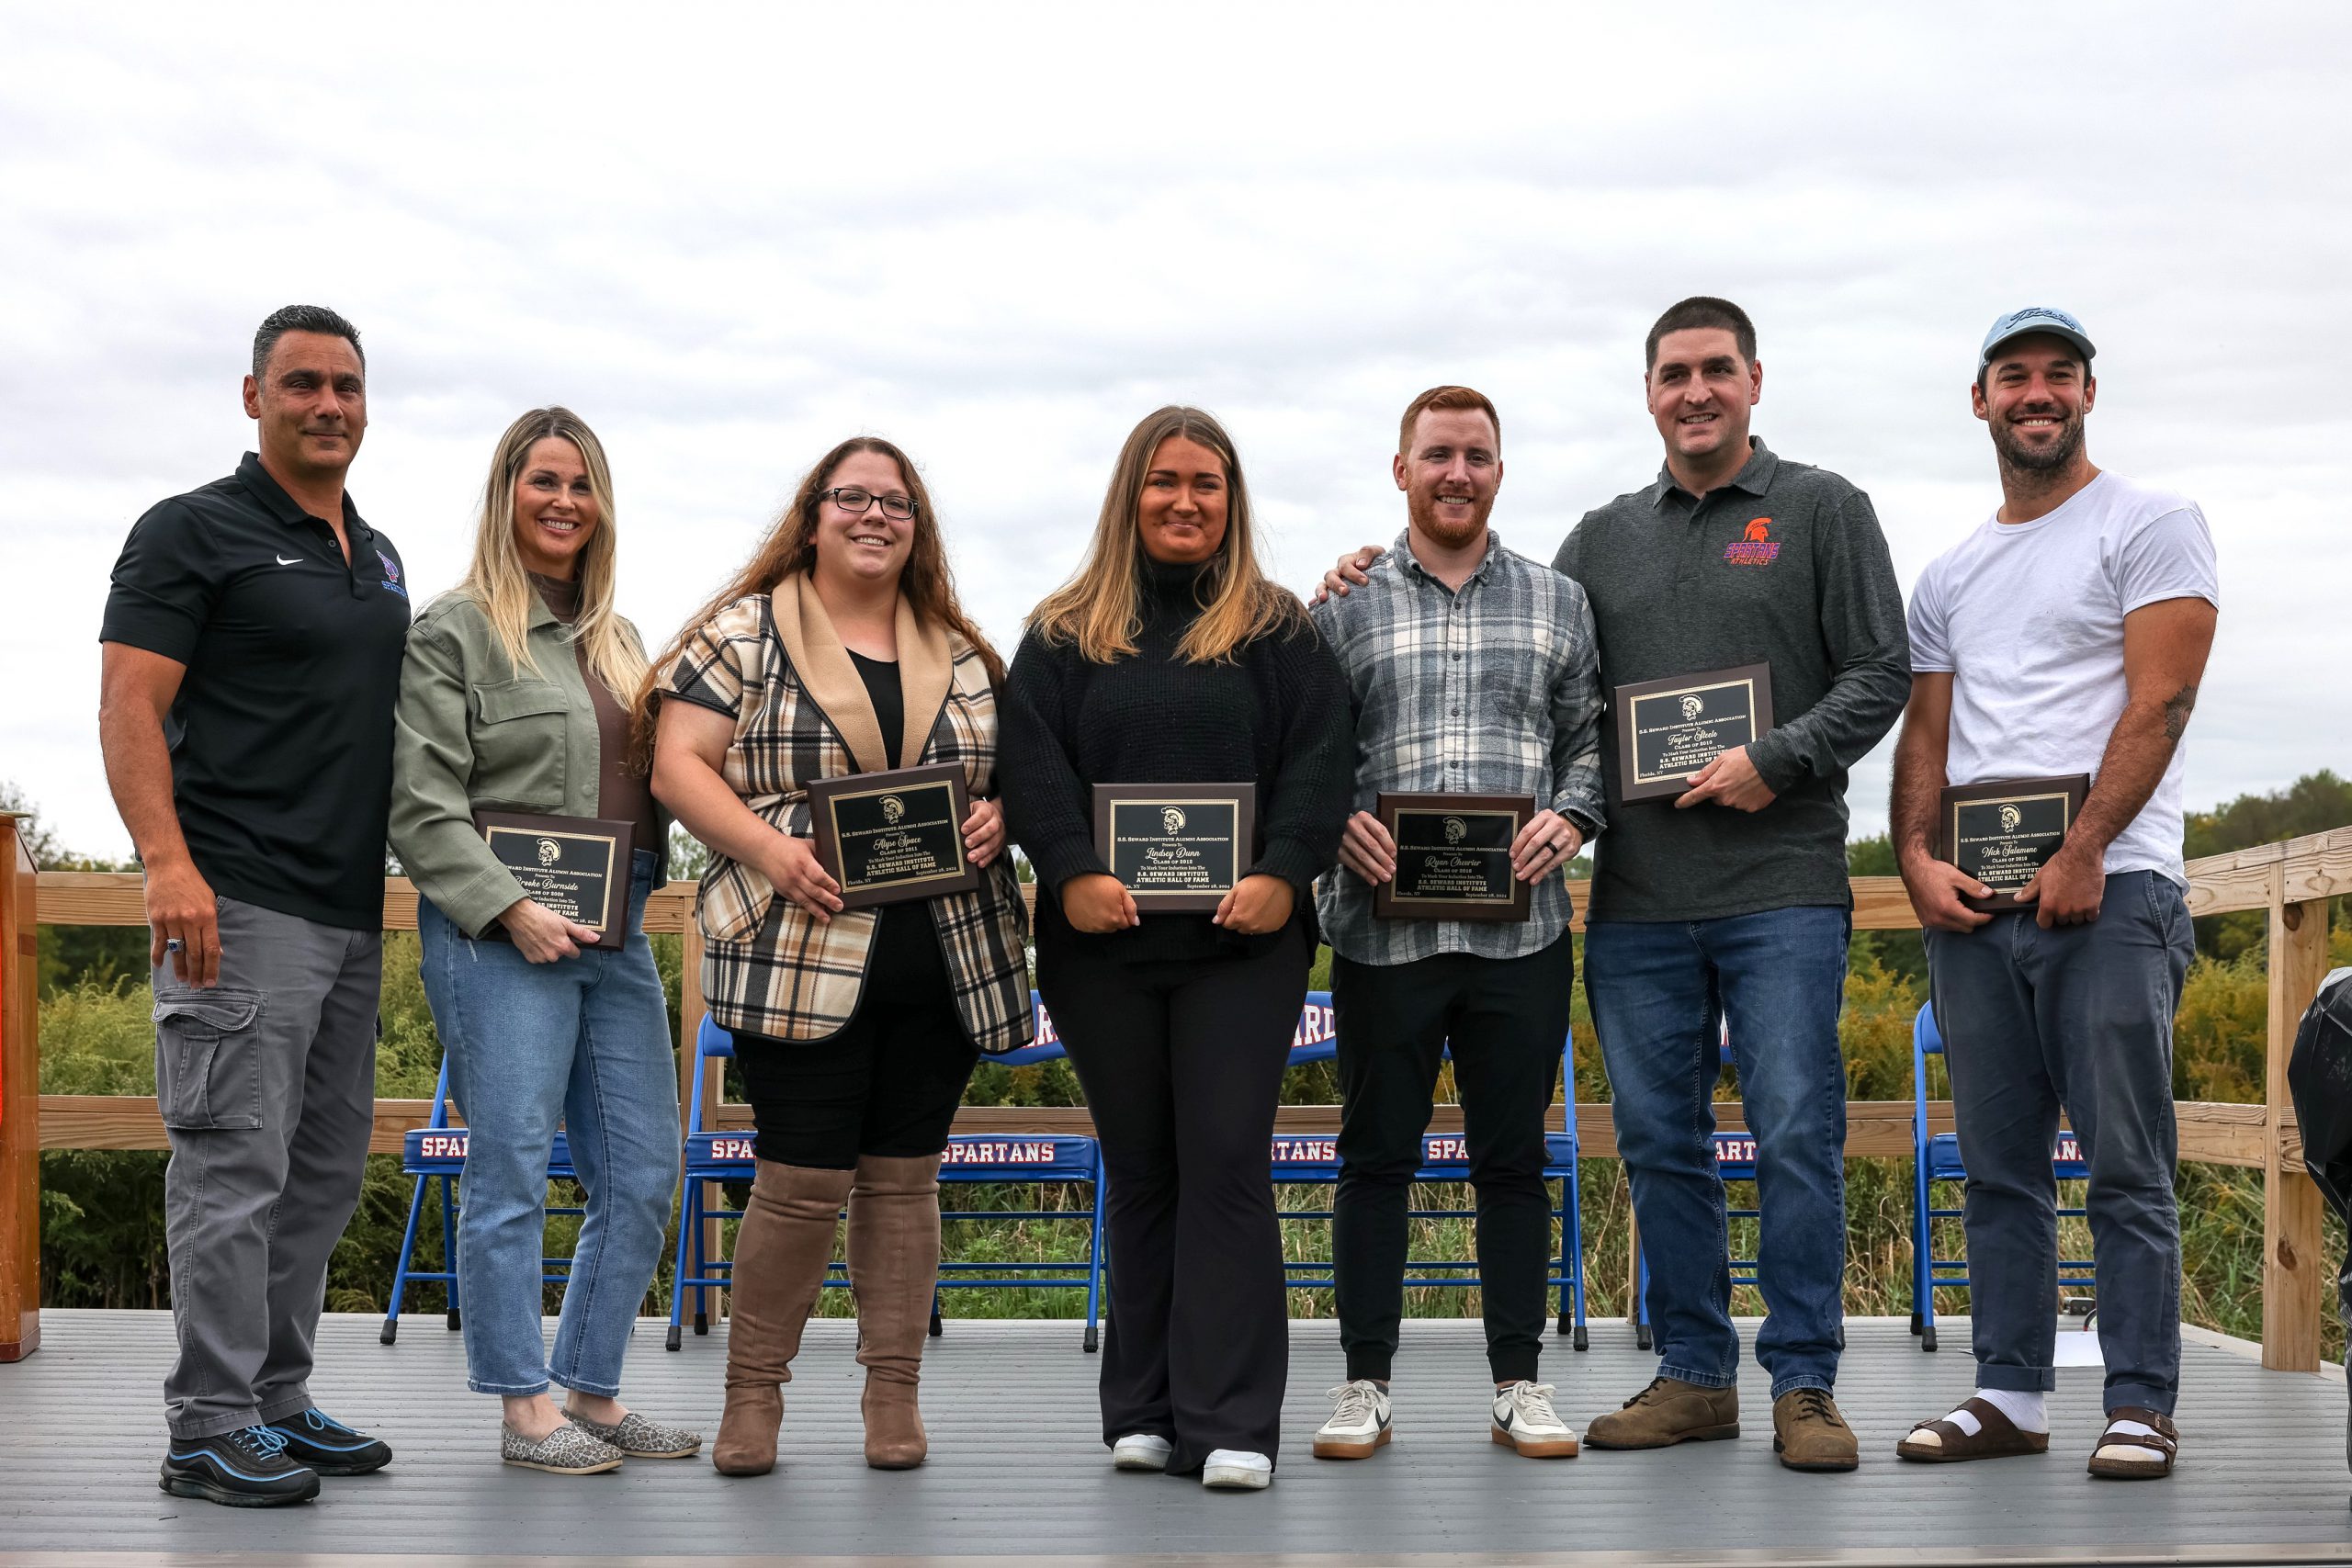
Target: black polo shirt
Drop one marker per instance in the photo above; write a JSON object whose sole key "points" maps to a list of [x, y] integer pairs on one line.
{"points": [[281, 737]]}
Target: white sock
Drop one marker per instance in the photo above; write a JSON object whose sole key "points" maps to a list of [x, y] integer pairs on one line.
{"points": [[2025, 1410]]}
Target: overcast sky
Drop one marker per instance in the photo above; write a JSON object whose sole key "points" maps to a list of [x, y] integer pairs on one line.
{"points": [[1000, 235]]}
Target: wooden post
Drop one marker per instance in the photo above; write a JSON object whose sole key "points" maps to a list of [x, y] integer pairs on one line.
{"points": [[20, 1100], [2292, 1264]]}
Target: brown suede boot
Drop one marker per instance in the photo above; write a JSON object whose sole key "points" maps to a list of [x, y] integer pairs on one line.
{"points": [[1669, 1411], [781, 1251], [1809, 1434], [894, 1269]]}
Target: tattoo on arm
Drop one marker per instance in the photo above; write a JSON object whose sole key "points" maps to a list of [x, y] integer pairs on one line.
{"points": [[2178, 708]]}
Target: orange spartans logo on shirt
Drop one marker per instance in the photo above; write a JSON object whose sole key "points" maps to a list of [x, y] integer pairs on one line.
{"points": [[1758, 548]]}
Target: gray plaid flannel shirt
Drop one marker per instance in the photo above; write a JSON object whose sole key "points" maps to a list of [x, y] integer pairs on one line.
{"points": [[1492, 690]]}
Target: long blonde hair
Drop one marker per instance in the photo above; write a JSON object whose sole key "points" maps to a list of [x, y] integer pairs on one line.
{"points": [[1101, 609], [502, 588], [925, 581]]}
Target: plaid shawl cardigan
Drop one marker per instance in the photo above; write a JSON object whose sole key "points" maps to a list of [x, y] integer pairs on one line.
{"points": [[774, 664]]}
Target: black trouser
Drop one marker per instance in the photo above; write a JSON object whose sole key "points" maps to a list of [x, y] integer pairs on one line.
{"points": [[1507, 1020], [1182, 1063], [888, 1083]]}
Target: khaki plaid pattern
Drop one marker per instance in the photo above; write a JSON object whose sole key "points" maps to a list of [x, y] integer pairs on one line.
{"points": [[768, 966]]}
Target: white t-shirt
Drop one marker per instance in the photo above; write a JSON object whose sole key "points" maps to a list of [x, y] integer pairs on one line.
{"points": [[2028, 618]]}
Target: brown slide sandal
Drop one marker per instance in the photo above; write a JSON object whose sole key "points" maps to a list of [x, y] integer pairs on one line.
{"points": [[2165, 1443], [1996, 1437]]}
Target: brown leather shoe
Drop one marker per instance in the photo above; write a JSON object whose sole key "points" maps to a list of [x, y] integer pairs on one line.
{"points": [[1670, 1411], [1809, 1434], [894, 1271], [781, 1251]]}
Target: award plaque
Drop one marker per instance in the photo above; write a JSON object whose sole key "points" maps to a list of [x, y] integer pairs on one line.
{"points": [[1453, 856], [575, 866], [893, 836], [2002, 830], [1669, 729], [1177, 847]]}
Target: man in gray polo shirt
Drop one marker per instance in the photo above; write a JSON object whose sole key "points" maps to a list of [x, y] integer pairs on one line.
{"points": [[1730, 904]]}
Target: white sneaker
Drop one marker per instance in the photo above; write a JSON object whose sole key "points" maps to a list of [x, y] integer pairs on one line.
{"points": [[1525, 1420], [1357, 1426], [1230, 1470], [1141, 1450]]}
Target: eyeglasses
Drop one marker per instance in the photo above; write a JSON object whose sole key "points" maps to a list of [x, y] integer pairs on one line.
{"points": [[858, 500]]}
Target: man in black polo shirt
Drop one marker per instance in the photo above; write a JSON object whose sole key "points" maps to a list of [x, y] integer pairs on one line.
{"points": [[252, 646]]}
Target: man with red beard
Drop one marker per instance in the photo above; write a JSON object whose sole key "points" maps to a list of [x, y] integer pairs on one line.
{"points": [[1472, 670]]}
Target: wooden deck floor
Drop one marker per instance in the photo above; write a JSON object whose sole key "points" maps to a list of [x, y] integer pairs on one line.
{"points": [[1018, 1471]]}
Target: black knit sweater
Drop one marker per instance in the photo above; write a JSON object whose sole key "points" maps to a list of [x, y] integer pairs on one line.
{"points": [[1277, 714]]}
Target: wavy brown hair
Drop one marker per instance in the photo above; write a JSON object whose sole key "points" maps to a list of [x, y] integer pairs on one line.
{"points": [[1099, 608], [791, 546]]}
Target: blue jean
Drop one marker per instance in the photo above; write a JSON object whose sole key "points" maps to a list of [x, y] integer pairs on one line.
{"points": [[1660, 993], [2079, 1016], [586, 1039]]}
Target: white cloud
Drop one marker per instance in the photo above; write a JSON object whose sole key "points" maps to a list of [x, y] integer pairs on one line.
{"points": [[1001, 234]]}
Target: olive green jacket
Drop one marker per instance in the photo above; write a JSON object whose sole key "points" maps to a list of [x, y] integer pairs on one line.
{"points": [[472, 732]]}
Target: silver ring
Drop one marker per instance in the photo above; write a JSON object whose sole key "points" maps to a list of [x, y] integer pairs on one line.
{"points": [[174, 944]]}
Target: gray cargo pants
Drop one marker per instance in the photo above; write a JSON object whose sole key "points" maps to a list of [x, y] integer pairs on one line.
{"points": [[2079, 1016], [267, 1086]]}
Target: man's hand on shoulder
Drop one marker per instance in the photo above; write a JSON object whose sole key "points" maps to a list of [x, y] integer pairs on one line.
{"points": [[1348, 572]]}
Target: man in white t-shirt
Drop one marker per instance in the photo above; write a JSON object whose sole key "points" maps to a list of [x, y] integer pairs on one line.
{"points": [[2066, 635]]}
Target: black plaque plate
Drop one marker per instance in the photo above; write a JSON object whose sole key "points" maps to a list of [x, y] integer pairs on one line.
{"points": [[1177, 847], [2002, 830], [893, 836], [1669, 729], [1453, 856], [575, 866]]}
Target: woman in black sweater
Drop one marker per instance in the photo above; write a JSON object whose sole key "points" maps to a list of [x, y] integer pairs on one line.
{"points": [[1169, 659]]}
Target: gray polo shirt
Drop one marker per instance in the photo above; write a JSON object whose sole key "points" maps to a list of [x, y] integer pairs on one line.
{"points": [[1784, 566]]}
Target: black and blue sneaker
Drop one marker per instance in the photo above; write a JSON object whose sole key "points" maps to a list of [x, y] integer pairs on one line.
{"points": [[248, 1468], [327, 1446]]}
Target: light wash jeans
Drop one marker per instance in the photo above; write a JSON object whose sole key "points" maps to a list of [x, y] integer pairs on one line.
{"points": [[1660, 992], [586, 1039]]}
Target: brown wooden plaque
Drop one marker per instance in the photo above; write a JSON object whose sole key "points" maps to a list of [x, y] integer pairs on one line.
{"points": [[1177, 847], [894, 836], [1669, 729], [577, 867], [1452, 856], [2001, 831]]}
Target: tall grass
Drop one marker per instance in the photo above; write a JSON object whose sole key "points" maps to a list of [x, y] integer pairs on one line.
{"points": [[102, 1225]]}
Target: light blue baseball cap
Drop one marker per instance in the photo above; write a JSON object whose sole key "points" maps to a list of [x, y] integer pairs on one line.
{"points": [[2036, 319]]}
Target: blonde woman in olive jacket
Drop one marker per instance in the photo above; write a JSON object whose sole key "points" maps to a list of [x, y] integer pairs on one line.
{"points": [[515, 698]]}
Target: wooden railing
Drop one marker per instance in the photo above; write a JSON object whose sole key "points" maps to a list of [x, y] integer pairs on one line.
{"points": [[2292, 880]]}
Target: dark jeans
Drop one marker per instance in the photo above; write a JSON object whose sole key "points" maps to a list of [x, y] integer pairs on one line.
{"points": [[2079, 1018], [1507, 1020], [887, 1083], [1661, 991], [1182, 1063]]}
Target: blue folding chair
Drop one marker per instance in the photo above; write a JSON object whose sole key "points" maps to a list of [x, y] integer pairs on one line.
{"points": [[1445, 1156], [1938, 1158], [714, 1158], [435, 1154]]}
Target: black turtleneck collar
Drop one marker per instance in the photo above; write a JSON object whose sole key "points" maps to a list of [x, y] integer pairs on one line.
{"points": [[1173, 583]]}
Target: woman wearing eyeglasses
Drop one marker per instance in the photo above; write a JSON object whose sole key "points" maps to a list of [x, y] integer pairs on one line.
{"points": [[838, 649]]}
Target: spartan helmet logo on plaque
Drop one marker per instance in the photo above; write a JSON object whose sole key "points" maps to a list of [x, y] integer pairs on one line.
{"points": [[1455, 832], [549, 852], [1694, 705], [2010, 818], [893, 808], [1172, 819]]}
